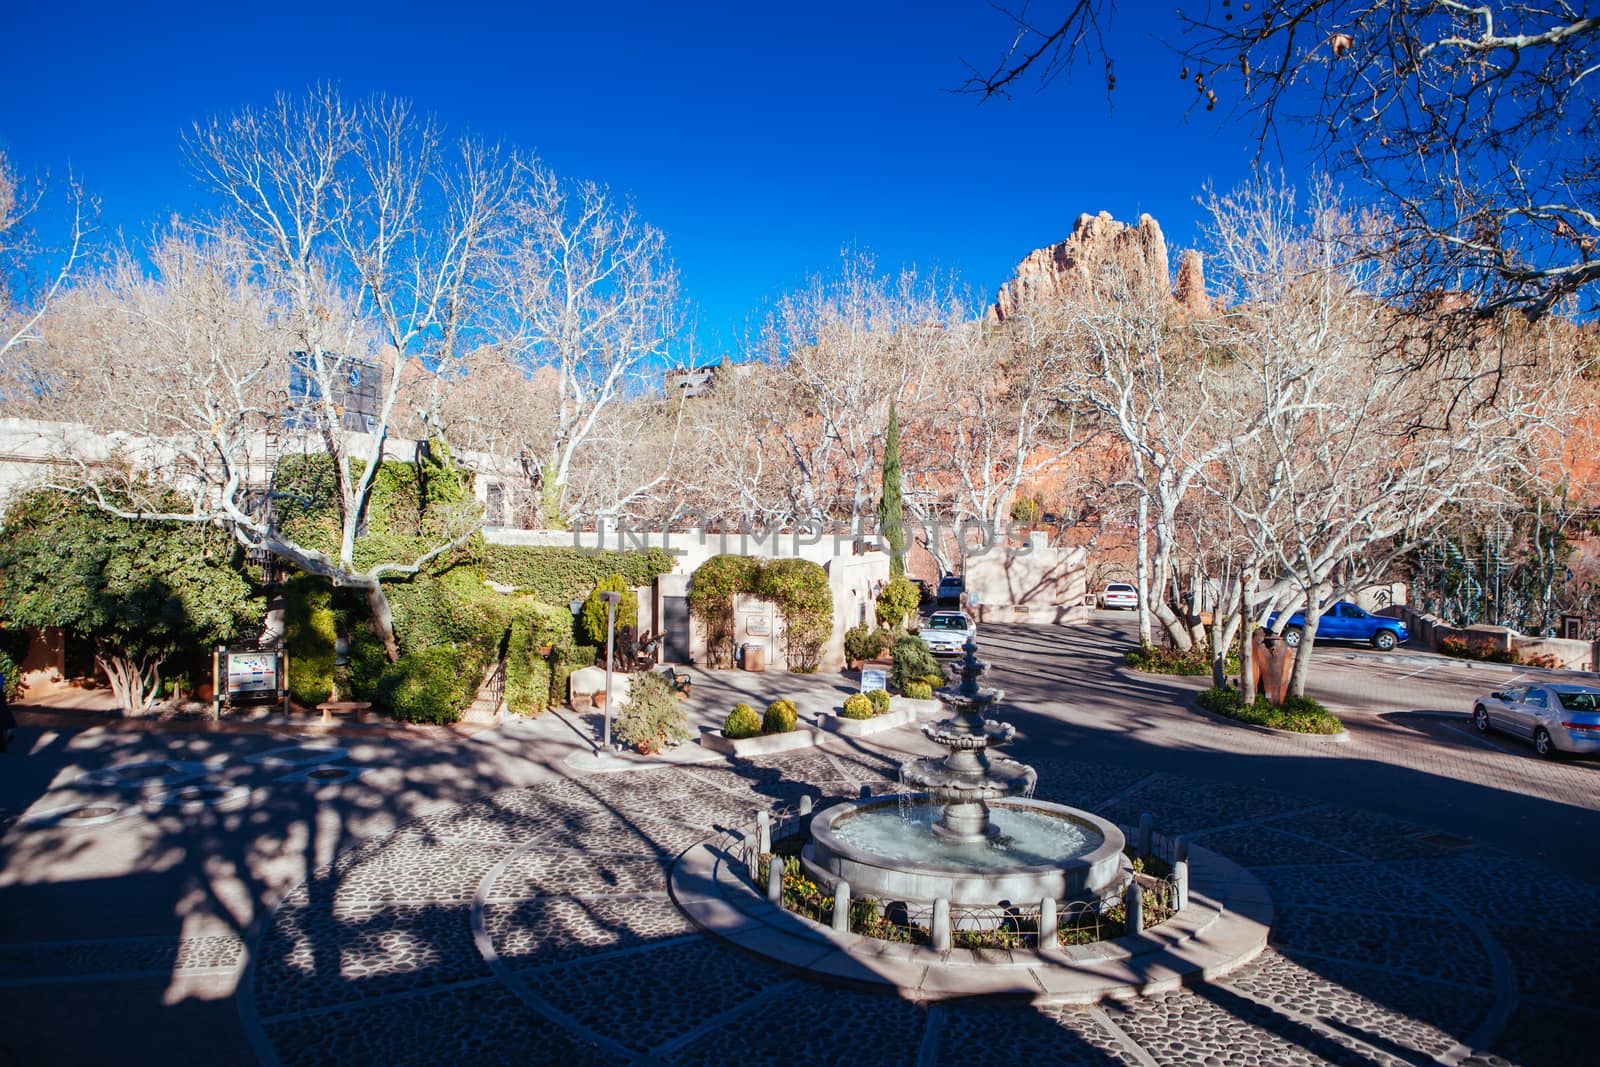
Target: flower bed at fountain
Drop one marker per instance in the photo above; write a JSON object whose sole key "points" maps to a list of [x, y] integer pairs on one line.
{"points": [[1080, 923]]}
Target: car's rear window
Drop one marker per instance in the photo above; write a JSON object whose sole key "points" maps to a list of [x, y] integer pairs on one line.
{"points": [[1115, 588], [947, 622], [1580, 701]]}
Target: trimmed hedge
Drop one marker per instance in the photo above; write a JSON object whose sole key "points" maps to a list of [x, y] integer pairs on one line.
{"points": [[1302, 715], [559, 574], [857, 706], [741, 722], [780, 717], [880, 701]]}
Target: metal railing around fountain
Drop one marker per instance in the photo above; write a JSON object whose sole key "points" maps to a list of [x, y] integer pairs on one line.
{"points": [[1157, 891]]}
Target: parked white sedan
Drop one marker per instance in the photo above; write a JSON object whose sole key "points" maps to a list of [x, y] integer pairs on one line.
{"points": [[1556, 718], [947, 632], [1119, 595]]}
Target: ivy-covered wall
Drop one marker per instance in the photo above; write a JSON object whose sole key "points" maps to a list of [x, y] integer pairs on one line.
{"points": [[450, 626], [557, 574]]}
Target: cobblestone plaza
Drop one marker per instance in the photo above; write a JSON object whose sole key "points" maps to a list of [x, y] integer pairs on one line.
{"points": [[534, 926]]}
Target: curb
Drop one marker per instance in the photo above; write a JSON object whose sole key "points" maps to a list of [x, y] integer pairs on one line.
{"points": [[1225, 926], [1340, 738]]}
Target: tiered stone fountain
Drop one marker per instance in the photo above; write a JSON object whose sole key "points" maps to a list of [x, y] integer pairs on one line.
{"points": [[972, 834]]}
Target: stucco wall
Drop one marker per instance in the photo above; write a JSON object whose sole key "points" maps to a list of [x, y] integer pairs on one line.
{"points": [[1041, 585]]}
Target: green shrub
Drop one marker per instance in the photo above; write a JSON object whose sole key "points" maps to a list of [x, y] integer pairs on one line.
{"points": [[13, 676], [913, 661], [711, 592], [1299, 714], [780, 717], [652, 716], [742, 721], [898, 600], [919, 691], [1195, 662], [880, 701], [858, 706], [428, 687], [1027, 510], [863, 642], [592, 622], [800, 589], [310, 627]]}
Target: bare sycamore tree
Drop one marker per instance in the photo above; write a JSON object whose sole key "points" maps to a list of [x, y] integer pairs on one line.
{"points": [[850, 345], [987, 424], [21, 251], [352, 233], [1478, 123], [585, 288], [1137, 375], [1356, 451], [738, 466]]}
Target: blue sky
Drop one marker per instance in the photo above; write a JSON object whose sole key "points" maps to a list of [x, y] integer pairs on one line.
{"points": [[762, 139]]}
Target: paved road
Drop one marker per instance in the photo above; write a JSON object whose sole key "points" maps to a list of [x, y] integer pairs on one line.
{"points": [[1403, 759], [140, 922]]}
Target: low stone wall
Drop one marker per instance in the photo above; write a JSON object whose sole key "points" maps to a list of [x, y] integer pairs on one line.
{"points": [[903, 711], [1430, 633], [765, 745]]}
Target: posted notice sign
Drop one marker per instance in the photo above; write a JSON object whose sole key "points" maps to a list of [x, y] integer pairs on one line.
{"points": [[873, 679], [252, 674]]}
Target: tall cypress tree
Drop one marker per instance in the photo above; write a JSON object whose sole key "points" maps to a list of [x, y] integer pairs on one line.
{"points": [[891, 522]]}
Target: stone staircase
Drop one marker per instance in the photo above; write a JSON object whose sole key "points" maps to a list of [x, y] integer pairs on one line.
{"points": [[489, 707]]}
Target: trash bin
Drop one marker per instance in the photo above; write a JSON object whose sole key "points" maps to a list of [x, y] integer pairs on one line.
{"points": [[755, 657]]}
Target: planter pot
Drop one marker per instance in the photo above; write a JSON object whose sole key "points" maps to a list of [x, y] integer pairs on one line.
{"points": [[855, 664], [599, 699], [545, 650]]}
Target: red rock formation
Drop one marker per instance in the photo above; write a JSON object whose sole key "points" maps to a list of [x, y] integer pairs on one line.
{"points": [[1048, 272]]}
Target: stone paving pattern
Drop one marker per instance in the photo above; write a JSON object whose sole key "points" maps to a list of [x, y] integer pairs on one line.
{"points": [[1389, 948]]}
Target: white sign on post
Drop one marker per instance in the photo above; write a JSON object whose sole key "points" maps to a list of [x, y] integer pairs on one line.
{"points": [[250, 673], [871, 679]]}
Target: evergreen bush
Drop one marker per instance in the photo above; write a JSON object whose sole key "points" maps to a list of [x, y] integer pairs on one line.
{"points": [[898, 602], [652, 716], [862, 642], [780, 717], [919, 691], [857, 706], [592, 621], [913, 661], [742, 721], [880, 701]]}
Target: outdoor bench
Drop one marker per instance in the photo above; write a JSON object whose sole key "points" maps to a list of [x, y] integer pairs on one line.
{"points": [[328, 707]]}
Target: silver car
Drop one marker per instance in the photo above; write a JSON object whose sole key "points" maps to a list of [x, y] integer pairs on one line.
{"points": [[947, 631], [1556, 718]]}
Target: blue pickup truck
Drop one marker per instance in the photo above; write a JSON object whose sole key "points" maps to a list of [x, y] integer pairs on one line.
{"points": [[1343, 621]]}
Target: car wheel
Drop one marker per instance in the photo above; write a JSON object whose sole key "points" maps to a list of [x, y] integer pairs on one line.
{"points": [[1384, 641], [1291, 637], [1544, 744], [1480, 718]]}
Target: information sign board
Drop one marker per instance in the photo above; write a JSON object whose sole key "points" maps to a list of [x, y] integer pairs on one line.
{"points": [[872, 678]]}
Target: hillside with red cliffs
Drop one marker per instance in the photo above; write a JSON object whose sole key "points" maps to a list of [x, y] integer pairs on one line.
{"points": [[1049, 272]]}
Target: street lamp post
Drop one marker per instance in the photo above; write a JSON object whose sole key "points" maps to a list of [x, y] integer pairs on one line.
{"points": [[611, 599]]}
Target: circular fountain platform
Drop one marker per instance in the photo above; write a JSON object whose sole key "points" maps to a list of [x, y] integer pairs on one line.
{"points": [[1038, 850]]}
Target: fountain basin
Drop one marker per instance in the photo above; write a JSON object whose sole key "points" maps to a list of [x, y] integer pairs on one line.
{"points": [[1044, 850]]}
